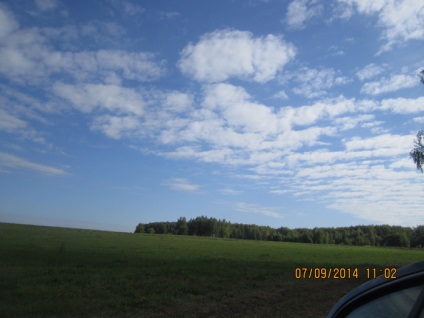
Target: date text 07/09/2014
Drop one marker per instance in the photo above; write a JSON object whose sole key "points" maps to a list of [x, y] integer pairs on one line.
{"points": [[344, 273]]}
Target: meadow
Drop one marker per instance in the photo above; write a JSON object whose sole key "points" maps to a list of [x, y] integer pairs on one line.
{"points": [[51, 272]]}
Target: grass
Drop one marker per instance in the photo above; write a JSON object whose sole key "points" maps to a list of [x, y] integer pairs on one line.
{"points": [[50, 272]]}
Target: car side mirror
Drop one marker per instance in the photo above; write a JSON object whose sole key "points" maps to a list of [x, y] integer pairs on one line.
{"points": [[398, 297]]}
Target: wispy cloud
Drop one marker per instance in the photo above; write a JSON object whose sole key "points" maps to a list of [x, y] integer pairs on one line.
{"points": [[25, 64], [253, 208], [316, 82], [127, 7], [228, 191], [369, 71], [12, 161], [181, 184], [300, 11], [46, 5]]}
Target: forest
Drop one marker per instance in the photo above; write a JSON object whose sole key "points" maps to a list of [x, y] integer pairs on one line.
{"points": [[360, 235]]}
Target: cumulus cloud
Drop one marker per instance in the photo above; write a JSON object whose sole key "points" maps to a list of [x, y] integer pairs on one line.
{"points": [[224, 54]]}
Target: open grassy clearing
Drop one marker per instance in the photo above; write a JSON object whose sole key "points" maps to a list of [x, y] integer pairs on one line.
{"points": [[69, 272]]}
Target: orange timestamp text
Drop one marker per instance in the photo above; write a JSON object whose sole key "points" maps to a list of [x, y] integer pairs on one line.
{"points": [[343, 273]]}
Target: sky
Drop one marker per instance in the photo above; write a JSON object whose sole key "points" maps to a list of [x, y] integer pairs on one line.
{"points": [[294, 113]]}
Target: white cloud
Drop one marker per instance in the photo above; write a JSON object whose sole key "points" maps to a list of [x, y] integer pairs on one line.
{"points": [[281, 95], [223, 54], [364, 188], [372, 178], [27, 57], [19, 112], [181, 184], [404, 163], [253, 208], [386, 85], [236, 107], [133, 66], [21, 53], [8, 23], [300, 11], [325, 109], [403, 105], [116, 127], [419, 120], [316, 82], [346, 123], [369, 71], [230, 118], [401, 20], [89, 97], [403, 143], [178, 102], [228, 191], [104, 64], [12, 161], [10, 122], [233, 129]]}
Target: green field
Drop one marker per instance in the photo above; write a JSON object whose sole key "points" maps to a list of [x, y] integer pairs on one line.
{"points": [[50, 272]]}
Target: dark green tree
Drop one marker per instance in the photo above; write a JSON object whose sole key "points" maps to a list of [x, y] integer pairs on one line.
{"points": [[397, 239], [139, 228], [318, 236], [418, 236], [182, 227], [224, 228]]}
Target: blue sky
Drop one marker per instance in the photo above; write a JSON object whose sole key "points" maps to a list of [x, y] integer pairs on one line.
{"points": [[283, 113]]}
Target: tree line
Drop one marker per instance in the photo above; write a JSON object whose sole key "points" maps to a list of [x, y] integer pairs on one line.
{"points": [[373, 235]]}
